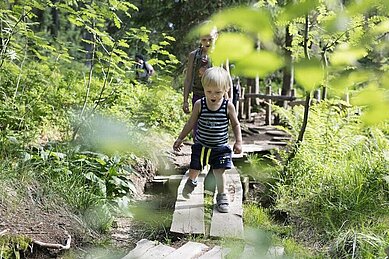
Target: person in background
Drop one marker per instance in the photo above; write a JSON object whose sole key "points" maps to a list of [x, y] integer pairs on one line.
{"points": [[198, 62], [212, 114], [143, 69]]}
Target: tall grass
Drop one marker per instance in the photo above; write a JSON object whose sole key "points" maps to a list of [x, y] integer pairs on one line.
{"points": [[337, 179]]}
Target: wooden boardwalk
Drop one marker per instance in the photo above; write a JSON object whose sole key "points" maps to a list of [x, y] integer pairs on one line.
{"points": [[188, 216], [234, 218], [146, 249]]}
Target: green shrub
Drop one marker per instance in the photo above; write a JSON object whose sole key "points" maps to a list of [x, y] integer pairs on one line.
{"points": [[337, 178]]}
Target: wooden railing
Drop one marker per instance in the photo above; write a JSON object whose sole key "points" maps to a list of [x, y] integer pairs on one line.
{"points": [[245, 104]]}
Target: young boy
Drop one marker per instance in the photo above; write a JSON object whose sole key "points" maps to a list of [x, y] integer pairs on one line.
{"points": [[212, 114]]}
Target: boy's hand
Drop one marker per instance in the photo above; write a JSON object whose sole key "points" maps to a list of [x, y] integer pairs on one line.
{"points": [[177, 145], [237, 148]]}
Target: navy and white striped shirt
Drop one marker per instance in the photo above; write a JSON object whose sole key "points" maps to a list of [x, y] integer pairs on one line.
{"points": [[212, 126]]}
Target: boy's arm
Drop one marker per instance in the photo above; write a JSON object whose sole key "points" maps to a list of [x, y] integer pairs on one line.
{"points": [[188, 126], [188, 81], [235, 128]]}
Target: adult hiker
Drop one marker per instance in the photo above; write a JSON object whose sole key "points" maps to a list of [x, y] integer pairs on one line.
{"points": [[198, 62], [143, 70]]}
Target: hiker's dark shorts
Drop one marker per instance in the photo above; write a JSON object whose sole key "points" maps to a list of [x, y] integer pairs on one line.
{"points": [[220, 157]]}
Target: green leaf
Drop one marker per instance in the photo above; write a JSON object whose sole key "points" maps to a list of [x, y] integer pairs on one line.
{"points": [[155, 47], [309, 73], [107, 41], [258, 64], [344, 55], [385, 80], [358, 7], [231, 46], [75, 20], [295, 10], [382, 27], [252, 20], [338, 22], [386, 178], [170, 38], [347, 80], [123, 43], [375, 101], [117, 21]]}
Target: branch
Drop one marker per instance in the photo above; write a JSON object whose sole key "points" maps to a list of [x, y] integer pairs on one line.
{"points": [[55, 246], [12, 32], [3, 232], [329, 45], [306, 33]]}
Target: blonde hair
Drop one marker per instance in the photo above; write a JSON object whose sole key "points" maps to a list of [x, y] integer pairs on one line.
{"points": [[207, 28], [216, 76]]}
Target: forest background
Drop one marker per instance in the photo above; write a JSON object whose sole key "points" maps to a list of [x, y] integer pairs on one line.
{"points": [[75, 122]]}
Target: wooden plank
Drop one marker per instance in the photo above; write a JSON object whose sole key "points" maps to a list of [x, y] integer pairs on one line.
{"points": [[279, 143], [281, 138], [188, 216], [232, 219], [142, 246], [215, 253], [159, 251], [269, 96], [189, 250], [257, 146], [277, 133]]}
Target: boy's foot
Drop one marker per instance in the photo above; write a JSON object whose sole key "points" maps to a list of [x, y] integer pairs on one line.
{"points": [[188, 188], [222, 203]]}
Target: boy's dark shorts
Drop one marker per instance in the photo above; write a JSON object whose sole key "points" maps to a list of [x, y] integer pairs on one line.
{"points": [[219, 157]]}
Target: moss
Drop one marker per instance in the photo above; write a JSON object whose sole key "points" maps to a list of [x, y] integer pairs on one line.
{"points": [[12, 245]]}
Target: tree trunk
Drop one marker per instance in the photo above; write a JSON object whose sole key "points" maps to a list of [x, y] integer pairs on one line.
{"points": [[288, 77], [54, 28], [307, 102]]}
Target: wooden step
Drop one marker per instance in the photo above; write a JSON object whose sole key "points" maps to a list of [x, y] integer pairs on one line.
{"points": [[256, 147], [189, 250], [281, 138], [149, 249], [215, 253], [229, 224], [188, 216], [260, 251], [159, 251], [146, 249], [277, 133]]}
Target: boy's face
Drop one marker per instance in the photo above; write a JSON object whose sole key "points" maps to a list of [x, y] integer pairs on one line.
{"points": [[214, 93], [207, 41]]}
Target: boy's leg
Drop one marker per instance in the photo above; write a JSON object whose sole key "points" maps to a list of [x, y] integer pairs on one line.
{"points": [[222, 202], [220, 178], [194, 169], [221, 160], [209, 181]]}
